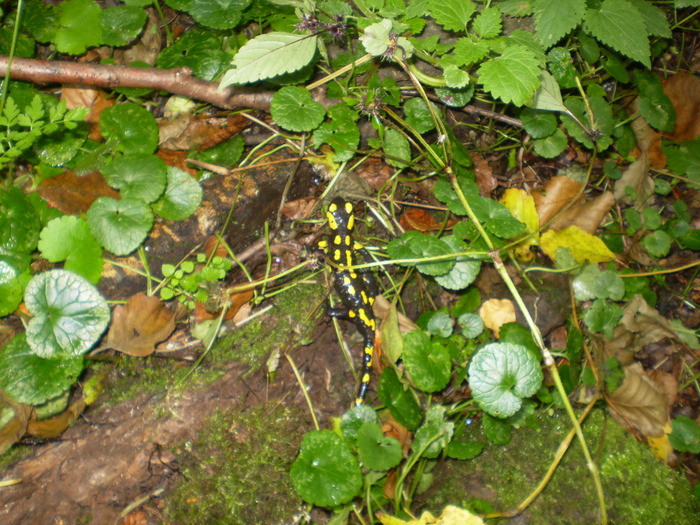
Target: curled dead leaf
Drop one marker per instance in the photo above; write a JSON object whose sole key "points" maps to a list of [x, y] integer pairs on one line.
{"points": [[637, 177], [558, 192], [139, 325], [497, 312], [586, 216], [16, 427]]}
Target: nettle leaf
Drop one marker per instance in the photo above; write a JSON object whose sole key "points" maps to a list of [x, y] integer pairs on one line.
{"points": [[325, 472], [69, 239], [32, 380], [377, 451], [396, 148], [465, 270], [212, 13], [293, 108], [555, 18], [69, 314], [199, 50], [398, 399], [501, 375], [131, 128], [120, 225], [268, 56], [619, 25], [182, 196], [137, 176], [467, 52], [654, 18], [418, 246], [453, 15], [513, 76], [121, 24], [427, 363], [487, 23], [79, 26]]}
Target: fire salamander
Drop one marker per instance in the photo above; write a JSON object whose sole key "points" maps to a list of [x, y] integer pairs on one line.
{"points": [[356, 289]]}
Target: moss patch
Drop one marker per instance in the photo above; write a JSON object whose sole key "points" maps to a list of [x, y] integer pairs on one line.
{"points": [[237, 470], [638, 488]]}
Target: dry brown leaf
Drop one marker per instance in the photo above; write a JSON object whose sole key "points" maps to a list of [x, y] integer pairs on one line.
{"points": [[637, 177], [586, 216], [556, 193], [639, 403], [139, 325], [381, 309], [74, 194], [497, 312], [16, 427], [419, 220], [299, 209], [485, 179], [646, 322], [53, 427]]}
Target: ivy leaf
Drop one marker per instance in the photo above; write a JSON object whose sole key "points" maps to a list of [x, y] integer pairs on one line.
{"points": [[513, 76], [427, 363], [293, 108], [501, 375], [137, 176], [453, 15], [268, 56], [377, 451], [416, 245], [69, 314], [79, 26], [32, 380], [616, 23], [69, 239], [325, 472], [212, 13], [120, 226], [121, 24], [182, 196], [555, 18], [131, 127]]}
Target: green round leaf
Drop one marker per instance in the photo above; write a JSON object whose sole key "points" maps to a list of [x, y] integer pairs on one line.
{"points": [[377, 451], [602, 316], [182, 197], [130, 127], [121, 24], [69, 314], [400, 402], [464, 450], [418, 116], [137, 176], [79, 26], [30, 379], [11, 292], [472, 325], [501, 375], [463, 272], [685, 435], [497, 430], [592, 283], [416, 245], [440, 323], [198, 50], [427, 363], [69, 239], [551, 146], [657, 243], [434, 435], [538, 124], [19, 223], [326, 473], [120, 226], [293, 109], [354, 418]]}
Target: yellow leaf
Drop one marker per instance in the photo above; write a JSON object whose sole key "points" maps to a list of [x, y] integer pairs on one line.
{"points": [[497, 312], [584, 246], [522, 205], [450, 516], [661, 446]]}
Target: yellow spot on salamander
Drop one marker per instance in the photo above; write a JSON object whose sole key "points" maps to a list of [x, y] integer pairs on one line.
{"points": [[337, 240], [337, 255], [348, 240]]}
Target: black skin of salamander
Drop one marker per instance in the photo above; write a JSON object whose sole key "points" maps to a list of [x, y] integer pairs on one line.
{"points": [[356, 289]]}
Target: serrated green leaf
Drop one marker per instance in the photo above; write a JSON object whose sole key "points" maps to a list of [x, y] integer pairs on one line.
{"points": [[654, 18], [293, 109], [464, 271], [427, 363], [32, 380], [418, 246], [602, 316], [399, 400], [377, 451], [268, 56], [325, 472], [354, 419], [453, 15], [467, 52], [513, 76], [131, 128], [182, 196], [556, 18], [592, 283], [501, 375], [487, 24], [69, 239], [216, 14], [69, 314], [120, 226], [121, 24], [619, 25], [79, 26]]}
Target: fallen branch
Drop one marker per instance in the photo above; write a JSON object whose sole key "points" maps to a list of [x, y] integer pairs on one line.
{"points": [[178, 81]]}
